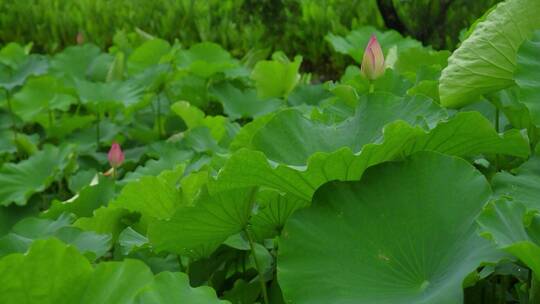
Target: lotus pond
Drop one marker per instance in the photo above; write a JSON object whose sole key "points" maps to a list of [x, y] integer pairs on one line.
{"points": [[157, 173]]}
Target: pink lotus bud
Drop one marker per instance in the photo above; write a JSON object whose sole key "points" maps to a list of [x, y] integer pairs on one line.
{"points": [[116, 156], [80, 38], [373, 61]]}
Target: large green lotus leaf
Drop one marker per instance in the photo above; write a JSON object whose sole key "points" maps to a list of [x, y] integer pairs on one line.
{"points": [[404, 233], [466, 134], [99, 69], [190, 114], [116, 282], [505, 223], [291, 138], [188, 87], [19, 181], [34, 65], [151, 196], [243, 292], [200, 139], [49, 273], [85, 139], [104, 96], [528, 75], [523, 186], [239, 103], [86, 201], [197, 231], [92, 244], [191, 186], [274, 210], [130, 240], [83, 178], [65, 125], [151, 78], [27, 144], [52, 272], [356, 41], [429, 88], [244, 137], [41, 95], [412, 62], [195, 117], [485, 62], [152, 167], [507, 101], [173, 287], [27, 230], [147, 55], [391, 82], [332, 111], [9, 216], [12, 54], [7, 145], [311, 94], [74, 61], [105, 220], [276, 78], [206, 59], [31, 229]]}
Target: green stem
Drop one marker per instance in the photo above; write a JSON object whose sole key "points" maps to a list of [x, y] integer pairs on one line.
{"points": [[181, 266], [371, 87], [261, 278], [60, 187], [504, 283], [534, 291]]}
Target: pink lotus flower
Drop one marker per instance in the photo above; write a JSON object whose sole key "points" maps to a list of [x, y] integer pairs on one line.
{"points": [[115, 156], [373, 61]]}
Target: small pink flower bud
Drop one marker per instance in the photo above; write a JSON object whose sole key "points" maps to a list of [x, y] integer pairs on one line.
{"points": [[373, 61], [80, 38], [116, 156]]}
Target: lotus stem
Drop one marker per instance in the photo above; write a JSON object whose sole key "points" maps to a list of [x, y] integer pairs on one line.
{"points": [[371, 87], [180, 265], [534, 291], [257, 265]]}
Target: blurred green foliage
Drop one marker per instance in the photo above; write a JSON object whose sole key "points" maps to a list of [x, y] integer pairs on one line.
{"points": [[252, 27], [238, 25], [434, 22]]}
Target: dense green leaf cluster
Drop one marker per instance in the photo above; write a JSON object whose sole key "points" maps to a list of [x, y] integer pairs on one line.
{"points": [[245, 181]]}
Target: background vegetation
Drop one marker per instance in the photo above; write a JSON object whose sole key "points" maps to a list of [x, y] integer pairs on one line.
{"points": [[177, 151], [240, 26]]}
